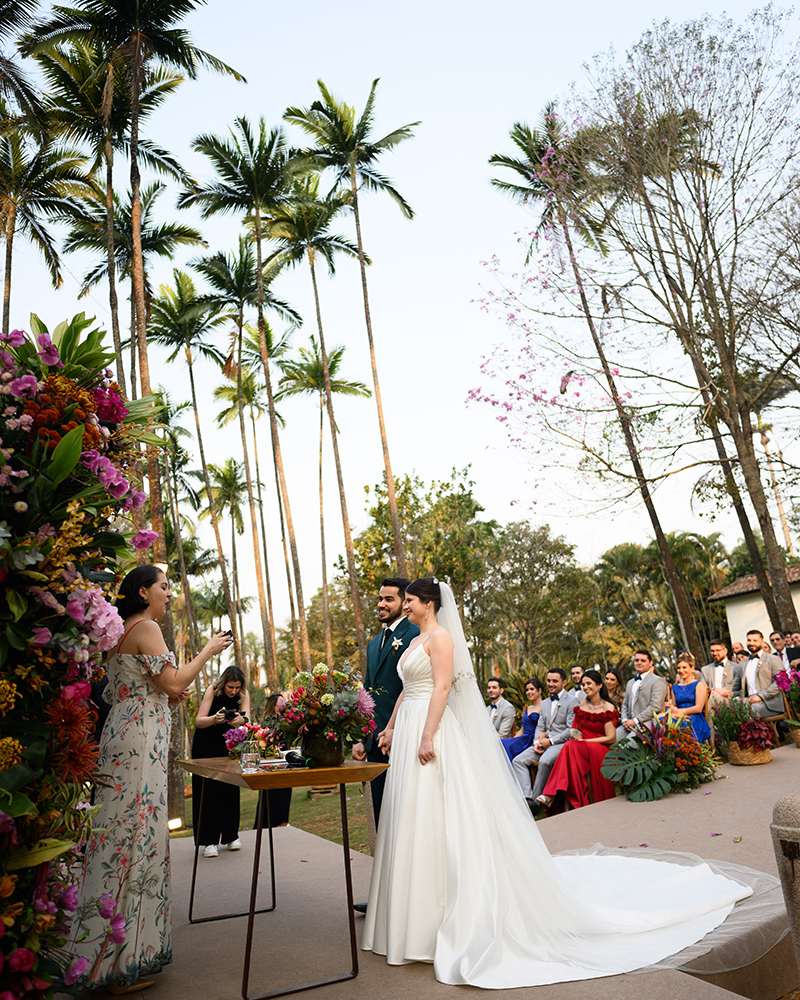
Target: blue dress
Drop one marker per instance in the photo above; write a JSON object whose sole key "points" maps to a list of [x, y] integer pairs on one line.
{"points": [[685, 697], [514, 745]]}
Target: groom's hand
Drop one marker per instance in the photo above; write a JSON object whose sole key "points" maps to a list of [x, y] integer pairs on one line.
{"points": [[359, 753]]}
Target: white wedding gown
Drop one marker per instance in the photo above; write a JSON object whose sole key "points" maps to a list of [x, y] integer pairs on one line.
{"points": [[462, 878]]}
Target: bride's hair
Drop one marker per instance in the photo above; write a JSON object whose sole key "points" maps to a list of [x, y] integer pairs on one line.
{"points": [[426, 589]]}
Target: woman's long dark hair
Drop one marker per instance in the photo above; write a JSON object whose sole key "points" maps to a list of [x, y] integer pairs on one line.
{"points": [[594, 675], [426, 589], [129, 601]]}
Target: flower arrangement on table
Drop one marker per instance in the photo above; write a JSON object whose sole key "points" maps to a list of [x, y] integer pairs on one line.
{"points": [[66, 452], [235, 739], [734, 722], [327, 707], [663, 757]]}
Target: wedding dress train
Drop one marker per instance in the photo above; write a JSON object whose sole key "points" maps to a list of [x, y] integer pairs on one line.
{"points": [[462, 877]]}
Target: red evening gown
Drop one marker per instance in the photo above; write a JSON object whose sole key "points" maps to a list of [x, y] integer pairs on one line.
{"points": [[576, 771]]}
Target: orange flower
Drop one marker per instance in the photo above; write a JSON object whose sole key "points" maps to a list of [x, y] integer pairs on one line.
{"points": [[7, 883], [10, 753]]}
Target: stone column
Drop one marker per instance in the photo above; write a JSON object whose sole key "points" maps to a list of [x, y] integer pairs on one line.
{"points": [[785, 829]]}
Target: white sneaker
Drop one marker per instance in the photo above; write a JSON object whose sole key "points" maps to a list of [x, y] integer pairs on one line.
{"points": [[211, 851], [235, 845]]}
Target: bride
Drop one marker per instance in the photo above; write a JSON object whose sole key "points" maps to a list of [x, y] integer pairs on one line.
{"points": [[462, 877]]}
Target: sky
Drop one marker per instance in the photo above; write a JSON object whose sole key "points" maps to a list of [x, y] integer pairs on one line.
{"points": [[466, 73]]}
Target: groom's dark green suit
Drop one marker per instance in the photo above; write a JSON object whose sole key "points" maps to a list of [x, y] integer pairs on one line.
{"points": [[384, 684]]}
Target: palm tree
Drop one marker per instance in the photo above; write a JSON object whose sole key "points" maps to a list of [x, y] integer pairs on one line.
{"points": [[77, 109], [235, 286], [346, 146], [88, 232], [175, 459], [301, 229], [252, 177], [40, 181], [16, 15], [181, 322], [552, 168], [130, 34], [226, 497], [304, 376]]}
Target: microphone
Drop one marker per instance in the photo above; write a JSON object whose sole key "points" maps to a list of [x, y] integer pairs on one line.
{"points": [[295, 759]]}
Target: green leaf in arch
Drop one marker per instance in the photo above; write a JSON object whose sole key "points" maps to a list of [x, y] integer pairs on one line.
{"points": [[66, 455]]}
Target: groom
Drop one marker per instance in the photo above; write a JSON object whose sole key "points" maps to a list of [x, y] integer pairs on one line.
{"points": [[381, 678]]}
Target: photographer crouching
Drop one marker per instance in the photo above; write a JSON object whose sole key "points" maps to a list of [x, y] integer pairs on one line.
{"points": [[225, 705]]}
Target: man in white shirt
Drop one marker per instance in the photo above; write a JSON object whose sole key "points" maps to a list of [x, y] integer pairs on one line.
{"points": [[552, 732], [501, 712], [645, 695], [755, 678], [779, 645], [720, 674]]}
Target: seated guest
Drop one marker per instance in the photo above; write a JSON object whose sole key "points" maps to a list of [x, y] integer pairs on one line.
{"points": [[644, 696], [615, 687], [684, 654], [738, 648], [576, 673], [501, 712], [552, 732], [530, 716], [688, 700], [719, 674], [754, 679], [576, 773]]}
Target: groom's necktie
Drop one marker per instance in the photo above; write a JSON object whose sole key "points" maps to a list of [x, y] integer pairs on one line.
{"points": [[385, 637]]}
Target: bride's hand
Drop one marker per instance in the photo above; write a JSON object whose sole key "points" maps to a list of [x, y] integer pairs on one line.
{"points": [[385, 740], [426, 752]]}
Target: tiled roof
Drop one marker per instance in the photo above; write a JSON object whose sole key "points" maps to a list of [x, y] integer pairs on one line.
{"points": [[749, 584]]}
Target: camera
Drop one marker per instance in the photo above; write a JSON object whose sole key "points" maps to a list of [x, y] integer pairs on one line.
{"points": [[228, 632], [230, 714]]}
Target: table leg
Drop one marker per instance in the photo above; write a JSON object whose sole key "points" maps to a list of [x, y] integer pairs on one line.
{"points": [[348, 879], [262, 799]]}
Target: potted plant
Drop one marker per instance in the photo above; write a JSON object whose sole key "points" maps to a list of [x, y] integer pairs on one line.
{"points": [[326, 709], [789, 683], [749, 739], [664, 757]]}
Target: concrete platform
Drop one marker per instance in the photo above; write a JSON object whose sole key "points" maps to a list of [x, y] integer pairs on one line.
{"points": [[306, 937]]}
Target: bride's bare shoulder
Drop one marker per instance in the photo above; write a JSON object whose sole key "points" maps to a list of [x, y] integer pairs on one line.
{"points": [[440, 639]]}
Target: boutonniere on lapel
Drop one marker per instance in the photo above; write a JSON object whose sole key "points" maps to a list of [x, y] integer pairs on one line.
{"points": [[397, 644]]}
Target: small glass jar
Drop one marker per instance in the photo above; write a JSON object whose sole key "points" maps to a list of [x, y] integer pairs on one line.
{"points": [[251, 757]]}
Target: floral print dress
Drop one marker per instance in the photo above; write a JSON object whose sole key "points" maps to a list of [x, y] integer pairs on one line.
{"points": [[122, 929]]}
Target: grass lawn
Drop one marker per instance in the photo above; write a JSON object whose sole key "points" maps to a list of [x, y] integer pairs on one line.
{"points": [[321, 817]]}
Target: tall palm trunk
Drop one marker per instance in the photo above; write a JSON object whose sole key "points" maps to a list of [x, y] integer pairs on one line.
{"points": [[237, 594], [348, 538], [269, 651], [298, 659], [112, 276], [326, 612], [154, 483], [397, 534], [192, 633], [271, 616], [234, 625], [686, 624], [10, 223], [276, 450], [775, 488]]}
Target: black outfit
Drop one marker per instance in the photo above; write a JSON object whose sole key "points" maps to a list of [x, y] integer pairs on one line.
{"points": [[280, 799], [221, 802]]}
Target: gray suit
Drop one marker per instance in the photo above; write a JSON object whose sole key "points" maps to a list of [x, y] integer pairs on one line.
{"points": [[642, 699], [555, 722], [708, 673], [503, 718], [771, 698]]}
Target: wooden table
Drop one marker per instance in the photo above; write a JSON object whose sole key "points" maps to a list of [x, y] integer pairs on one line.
{"points": [[227, 770]]}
